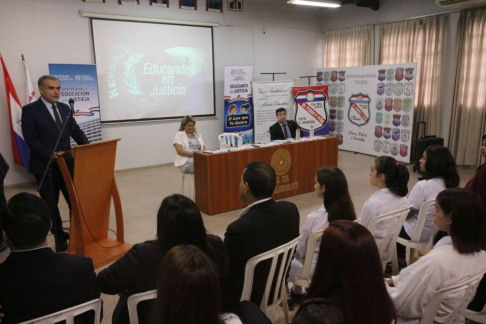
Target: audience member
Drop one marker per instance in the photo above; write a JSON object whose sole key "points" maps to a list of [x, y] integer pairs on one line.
{"points": [[35, 281], [391, 179], [440, 172], [3, 201], [458, 256], [179, 222], [186, 141], [330, 186], [348, 285], [283, 128], [263, 225]]}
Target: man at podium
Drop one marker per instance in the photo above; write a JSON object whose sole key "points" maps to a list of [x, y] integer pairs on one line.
{"points": [[42, 123], [283, 128]]}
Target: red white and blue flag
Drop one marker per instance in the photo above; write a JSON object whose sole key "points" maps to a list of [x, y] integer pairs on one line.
{"points": [[20, 149]]}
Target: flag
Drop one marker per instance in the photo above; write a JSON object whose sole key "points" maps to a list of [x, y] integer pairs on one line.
{"points": [[20, 149], [30, 87]]}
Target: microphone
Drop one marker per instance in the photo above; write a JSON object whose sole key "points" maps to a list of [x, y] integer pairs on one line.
{"points": [[71, 103]]}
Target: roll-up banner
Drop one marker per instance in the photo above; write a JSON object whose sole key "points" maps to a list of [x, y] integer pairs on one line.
{"points": [[311, 109], [238, 105], [268, 97], [371, 107], [79, 82]]}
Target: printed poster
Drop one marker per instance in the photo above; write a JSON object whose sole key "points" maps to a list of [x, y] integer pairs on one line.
{"points": [[311, 109]]}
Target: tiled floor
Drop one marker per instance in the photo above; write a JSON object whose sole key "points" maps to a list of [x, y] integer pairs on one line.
{"points": [[143, 190]]}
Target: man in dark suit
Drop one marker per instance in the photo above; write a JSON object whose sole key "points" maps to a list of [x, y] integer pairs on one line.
{"points": [[283, 128], [262, 226], [42, 122], [35, 281]]}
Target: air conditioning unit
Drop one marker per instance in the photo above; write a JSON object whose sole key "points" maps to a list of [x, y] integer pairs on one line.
{"points": [[460, 4]]}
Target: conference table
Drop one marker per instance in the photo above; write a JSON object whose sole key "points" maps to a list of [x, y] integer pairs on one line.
{"points": [[217, 175]]}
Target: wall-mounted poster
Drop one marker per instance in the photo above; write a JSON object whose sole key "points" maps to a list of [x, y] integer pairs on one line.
{"points": [[235, 5], [129, 2], [188, 4], [160, 3], [214, 5], [371, 107], [95, 1]]}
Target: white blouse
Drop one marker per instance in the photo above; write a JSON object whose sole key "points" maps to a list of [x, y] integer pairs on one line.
{"points": [[181, 138]]}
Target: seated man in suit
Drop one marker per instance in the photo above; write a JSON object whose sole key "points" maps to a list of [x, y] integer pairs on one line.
{"points": [[263, 225], [35, 281], [283, 128]]}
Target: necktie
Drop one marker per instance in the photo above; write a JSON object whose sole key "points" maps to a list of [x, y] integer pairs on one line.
{"points": [[57, 118], [286, 132]]}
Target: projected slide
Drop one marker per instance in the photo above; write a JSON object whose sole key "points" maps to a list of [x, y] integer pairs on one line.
{"points": [[153, 71]]}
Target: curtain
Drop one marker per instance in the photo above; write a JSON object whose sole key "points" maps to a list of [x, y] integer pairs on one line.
{"points": [[349, 47], [421, 41], [468, 110]]}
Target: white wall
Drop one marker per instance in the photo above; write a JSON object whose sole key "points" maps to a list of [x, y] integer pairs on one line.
{"points": [[51, 31]]}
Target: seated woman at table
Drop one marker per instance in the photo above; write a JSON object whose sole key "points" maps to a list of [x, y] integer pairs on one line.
{"points": [[458, 256], [186, 141], [332, 188], [179, 221]]}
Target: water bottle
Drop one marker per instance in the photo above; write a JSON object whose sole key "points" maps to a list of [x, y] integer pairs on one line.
{"points": [[222, 144], [240, 141], [297, 135], [268, 141], [311, 133]]}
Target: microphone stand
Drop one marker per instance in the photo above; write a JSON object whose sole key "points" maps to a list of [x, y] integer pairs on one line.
{"points": [[48, 172]]}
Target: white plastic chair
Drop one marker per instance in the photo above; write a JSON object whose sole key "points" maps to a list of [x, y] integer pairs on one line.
{"points": [[190, 178], [469, 287], [479, 317], [305, 277], [69, 314], [231, 139], [414, 243], [387, 248], [133, 301], [286, 252]]}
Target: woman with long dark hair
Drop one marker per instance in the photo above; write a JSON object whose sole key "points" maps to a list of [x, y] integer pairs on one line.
{"points": [[391, 179], [458, 256], [347, 286], [330, 186], [440, 172], [179, 221]]}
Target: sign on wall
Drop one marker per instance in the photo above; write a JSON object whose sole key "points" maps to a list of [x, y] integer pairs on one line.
{"points": [[371, 107], [311, 107]]}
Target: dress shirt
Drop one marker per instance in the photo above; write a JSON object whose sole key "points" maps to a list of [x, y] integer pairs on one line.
{"points": [[51, 111], [243, 213]]}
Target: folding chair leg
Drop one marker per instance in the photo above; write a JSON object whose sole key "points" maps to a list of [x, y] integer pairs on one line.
{"points": [[285, 306], [394, 262]]}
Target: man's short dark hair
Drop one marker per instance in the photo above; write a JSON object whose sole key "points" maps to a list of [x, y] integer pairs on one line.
{"points": [[47, 76], [280, 110], [26, 220], [484, 137], [261, 179]]}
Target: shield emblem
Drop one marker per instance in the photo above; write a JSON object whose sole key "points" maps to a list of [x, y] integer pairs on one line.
{"points": [[407, 105], [332, 126], [341, 101], [333, 101], [390, 74], [386, 147], [408, 89], [387, 132], [380, 88], [319, 76], [310, 111], [340, 139], [379, 118], [340, 114], [398, 89], [341, 88], [339, 127], [390, 89], [327, 76], [408, 74], [342, 76], [399, 74], [405, 135], [359, 109], [394, 149], [381, 74], [397, 104], [395, 134], [396, 119], [403, 150], [378, 131], [333, 88], [388, 104], [406, 120], [379, 104], [332, 113], [377, 146], [334, 76], [388, 119]]}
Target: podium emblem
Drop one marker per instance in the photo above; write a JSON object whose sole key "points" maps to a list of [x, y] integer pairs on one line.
{"points": [[359, 109], [281, 161]]}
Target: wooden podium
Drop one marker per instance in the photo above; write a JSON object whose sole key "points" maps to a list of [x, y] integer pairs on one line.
{"points": [[91, 188]]}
